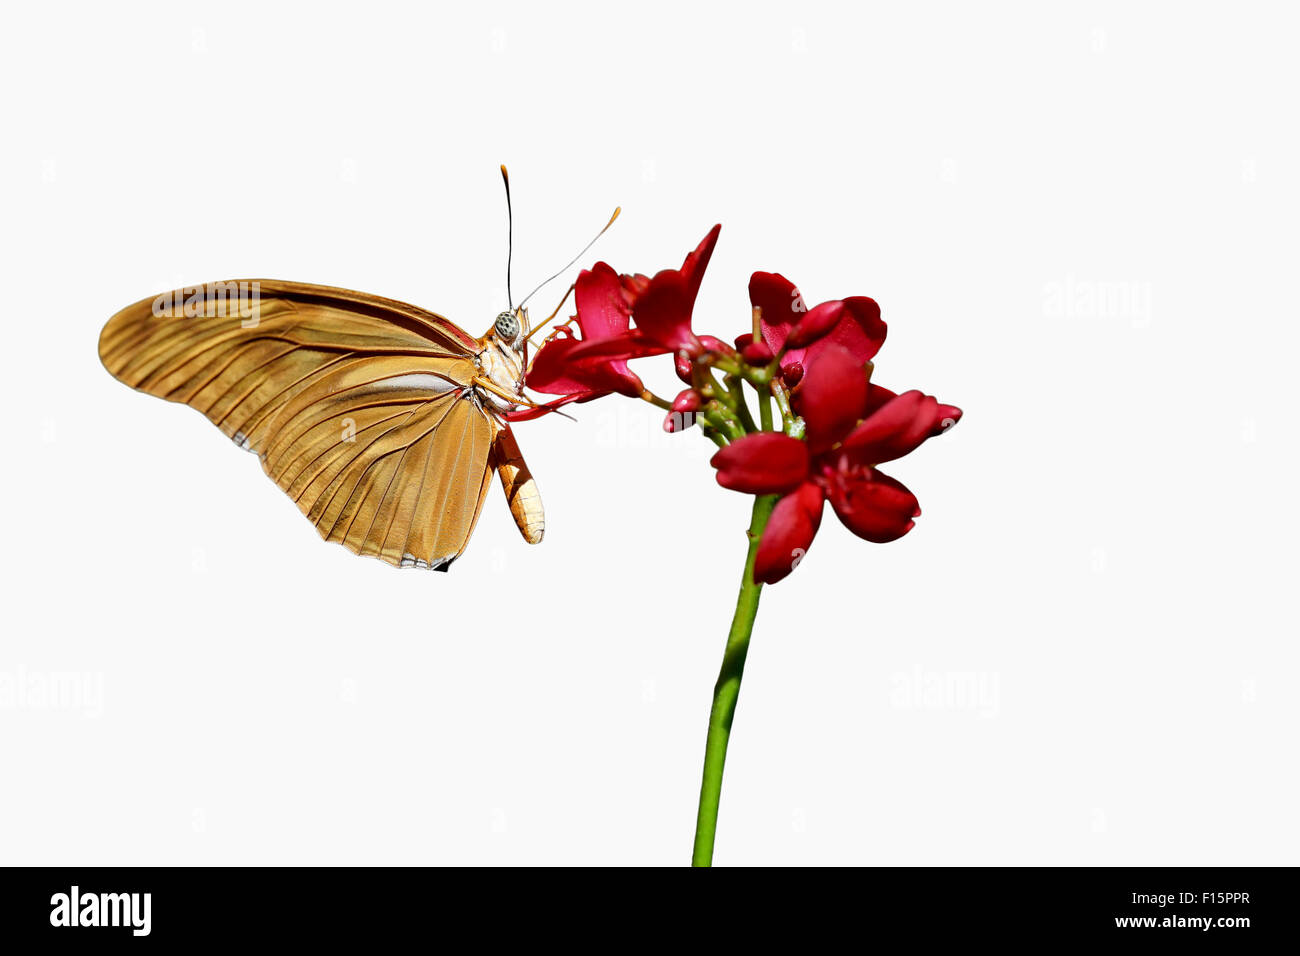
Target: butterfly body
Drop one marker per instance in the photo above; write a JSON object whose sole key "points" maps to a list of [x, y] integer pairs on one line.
{"points": [[381, 420], [501, 361]]}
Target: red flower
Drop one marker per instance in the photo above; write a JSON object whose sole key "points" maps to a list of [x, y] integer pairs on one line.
{"points": [[853, 323], [851, 427], [574, 368], [663, 305], [581, 369]]}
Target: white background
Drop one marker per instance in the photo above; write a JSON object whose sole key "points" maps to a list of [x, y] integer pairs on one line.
{"points": [[1081, 225]]}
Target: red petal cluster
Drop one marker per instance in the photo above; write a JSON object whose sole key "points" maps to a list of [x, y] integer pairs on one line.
{"points": [[853, 323], [851, 427], [580, 368]]}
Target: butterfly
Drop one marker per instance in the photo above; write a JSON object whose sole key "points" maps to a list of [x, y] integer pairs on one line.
{"points": [[382, 421]]}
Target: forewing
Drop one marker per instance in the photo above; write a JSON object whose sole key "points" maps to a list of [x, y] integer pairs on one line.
{"points": [[358, 407]]}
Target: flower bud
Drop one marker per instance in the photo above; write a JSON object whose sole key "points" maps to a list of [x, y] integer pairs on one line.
{"points": [[687, 401], [682, 364], [792, 374], [715, 344], [678, 421], [743, 341], [757, 354]]}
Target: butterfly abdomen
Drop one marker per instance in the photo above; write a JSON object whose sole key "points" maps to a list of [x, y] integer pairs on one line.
{"points": [[521, 490]]}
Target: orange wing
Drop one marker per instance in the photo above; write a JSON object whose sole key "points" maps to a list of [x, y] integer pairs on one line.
{"points": [[358, 407]]}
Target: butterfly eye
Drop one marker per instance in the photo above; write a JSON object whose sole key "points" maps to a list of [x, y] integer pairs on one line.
{"points": [[507, 326]]}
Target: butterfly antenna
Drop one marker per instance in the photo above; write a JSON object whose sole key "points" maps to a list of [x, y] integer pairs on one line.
{"points": [[510, 234], [575, 258]]}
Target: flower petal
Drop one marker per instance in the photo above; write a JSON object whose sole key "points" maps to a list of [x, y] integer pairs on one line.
{"points": [[831, 396], [816, 324], [877, 508], [949, 415], [860, 330], [662, 306], [898, 427], [549, 371], [762, 463], [527, 414], [628, 345], [789, 533], [561, 368], [877, 395], [602, 310], [782, 307], [633, 287], [663, 313], [698, 260]]}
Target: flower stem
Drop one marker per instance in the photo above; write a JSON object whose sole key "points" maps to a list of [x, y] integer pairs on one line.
{"points": [[793, 423], [736, 396], [727, 690], [765, 408], [655, 400]]}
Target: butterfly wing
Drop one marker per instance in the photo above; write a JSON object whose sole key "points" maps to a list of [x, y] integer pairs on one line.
{"points": [[360, 408]]}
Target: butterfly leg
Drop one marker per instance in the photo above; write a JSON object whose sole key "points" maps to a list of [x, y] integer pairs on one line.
{"points": [[490, 386]]}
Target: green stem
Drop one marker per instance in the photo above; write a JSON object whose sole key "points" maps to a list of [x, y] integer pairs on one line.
{"points": [[765, 407], [793, 423], [715, 414], [655, 400], [711, 434], [727, 689], [736, 394]]}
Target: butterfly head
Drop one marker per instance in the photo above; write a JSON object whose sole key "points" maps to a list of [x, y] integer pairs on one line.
{"points": [[511, 328]]}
